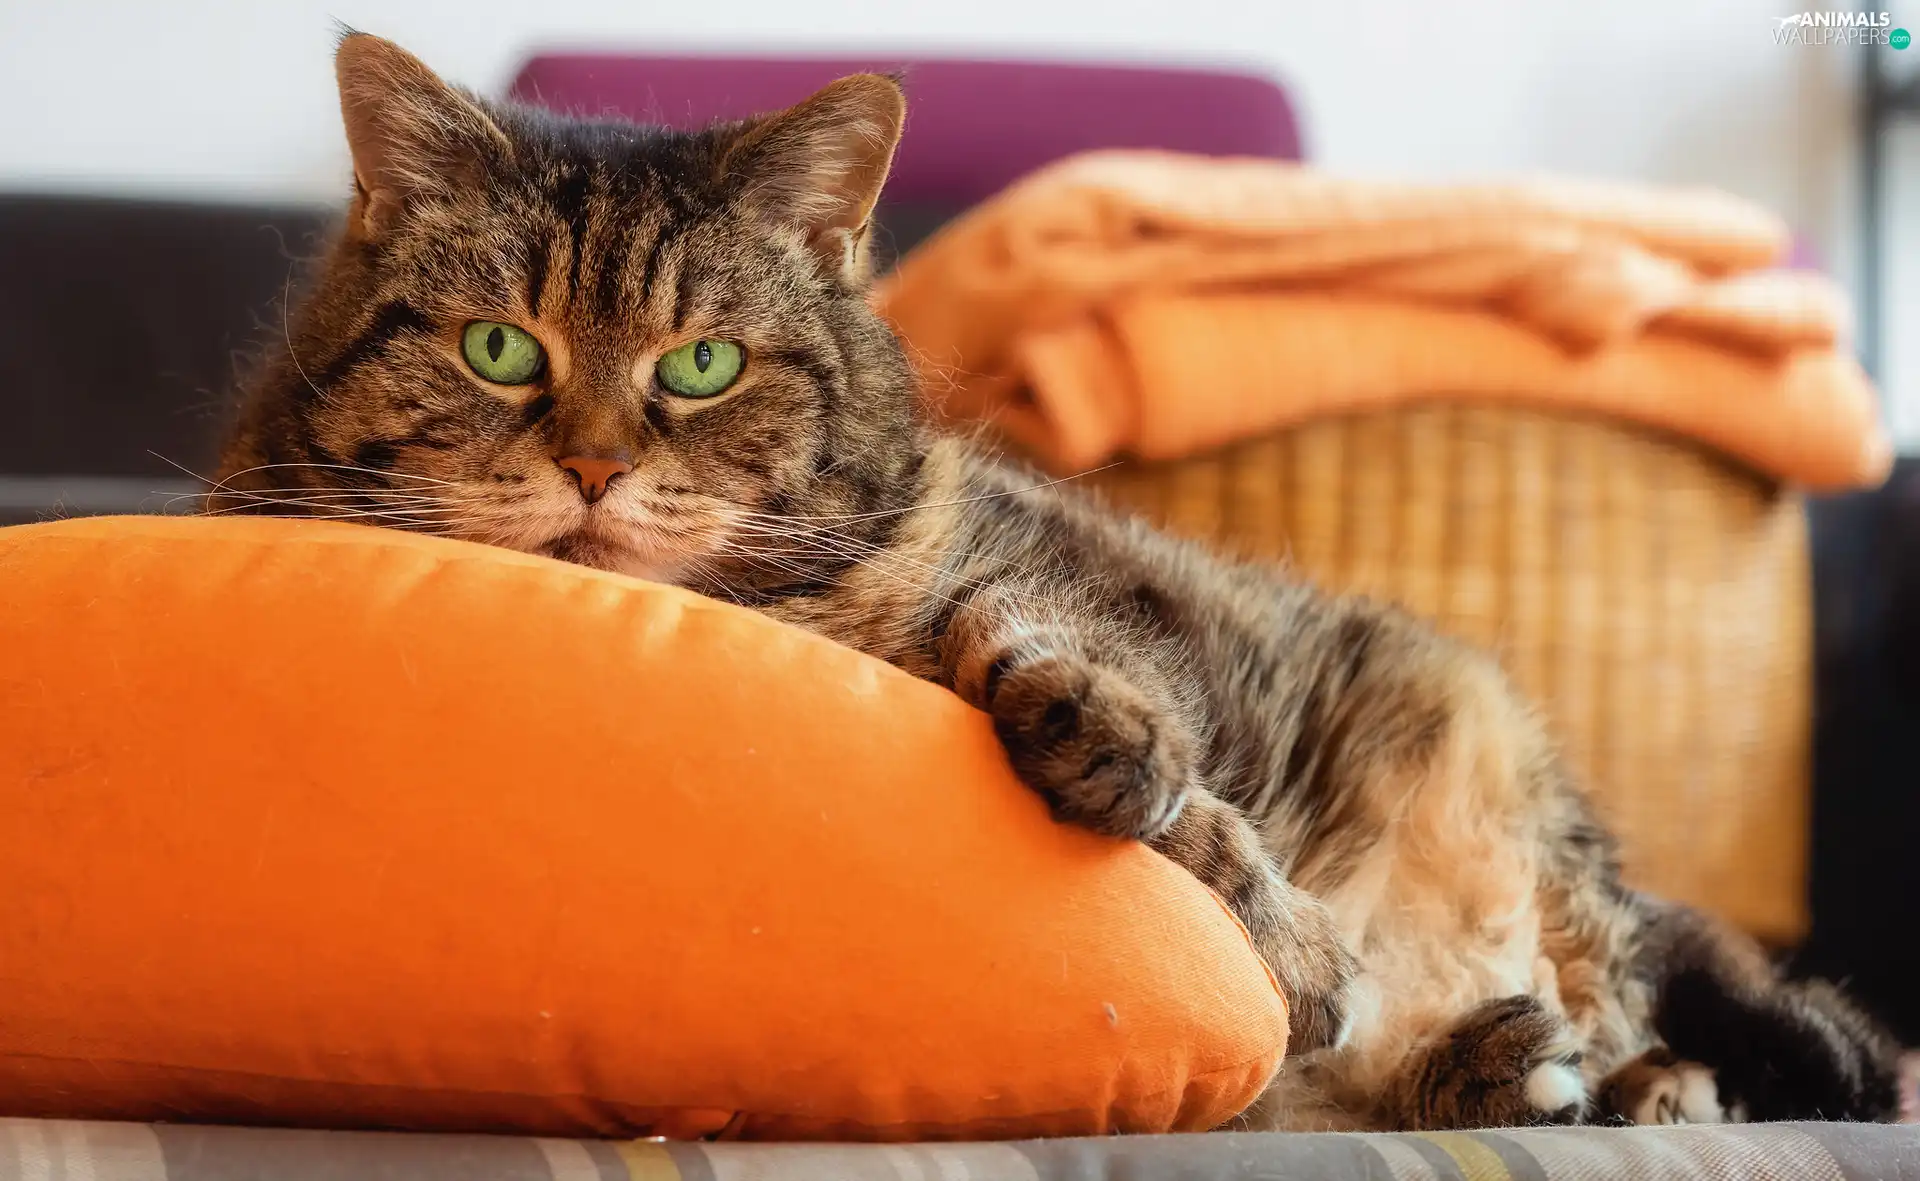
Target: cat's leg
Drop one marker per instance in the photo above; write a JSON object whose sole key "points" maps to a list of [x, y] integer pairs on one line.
{"points": [[1096, 721], [1292, 930], [1796, 1051], [1508, 1062], [1776, 1049], [1658, 1087]]}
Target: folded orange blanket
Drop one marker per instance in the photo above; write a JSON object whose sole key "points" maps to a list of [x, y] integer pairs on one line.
{"points": [[1153, 304]]}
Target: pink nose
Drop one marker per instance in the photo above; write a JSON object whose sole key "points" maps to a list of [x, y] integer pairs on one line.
{"points": [[594, 473]]}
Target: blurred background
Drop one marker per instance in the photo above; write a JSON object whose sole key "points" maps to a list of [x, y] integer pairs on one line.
{"points": [[225, 100], [165, 164]]}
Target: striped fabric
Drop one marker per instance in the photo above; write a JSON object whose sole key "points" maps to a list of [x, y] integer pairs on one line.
{"points": [[35, 1150]]}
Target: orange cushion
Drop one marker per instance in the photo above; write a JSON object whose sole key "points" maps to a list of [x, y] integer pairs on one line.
{"points": [[311, 823]]}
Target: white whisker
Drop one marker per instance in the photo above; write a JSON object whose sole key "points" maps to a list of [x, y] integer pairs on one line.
{"points": [[286, 333], [985, 496]]}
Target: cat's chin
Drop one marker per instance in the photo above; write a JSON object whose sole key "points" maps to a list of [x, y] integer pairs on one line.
{"points": [[588, 549]]}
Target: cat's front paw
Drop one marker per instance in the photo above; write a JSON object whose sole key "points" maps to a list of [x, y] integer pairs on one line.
{"points": [[1101, 752]]}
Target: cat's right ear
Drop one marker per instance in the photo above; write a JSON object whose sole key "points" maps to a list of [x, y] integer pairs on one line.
{"points": [[408, 131]]}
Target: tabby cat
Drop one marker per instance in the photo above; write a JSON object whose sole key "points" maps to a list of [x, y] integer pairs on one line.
{"points": [[650, 351]]}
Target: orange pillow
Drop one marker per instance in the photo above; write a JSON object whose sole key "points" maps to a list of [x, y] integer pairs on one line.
{"points": [[317, 824]]}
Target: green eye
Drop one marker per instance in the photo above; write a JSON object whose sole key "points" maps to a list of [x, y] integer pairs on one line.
{"points": [[501, 352], [701, 369]]}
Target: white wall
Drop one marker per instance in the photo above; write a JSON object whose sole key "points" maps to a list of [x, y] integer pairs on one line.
{"points": [[232, 98]]}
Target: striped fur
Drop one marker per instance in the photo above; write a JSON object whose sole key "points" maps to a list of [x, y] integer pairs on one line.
{"points": [[1383, 812]]}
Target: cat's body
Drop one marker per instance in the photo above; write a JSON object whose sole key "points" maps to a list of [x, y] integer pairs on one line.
{"points": [[707, 399], [1387, 772]]}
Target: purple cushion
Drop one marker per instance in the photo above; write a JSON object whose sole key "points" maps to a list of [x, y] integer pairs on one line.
{"points": [[972, 126]]}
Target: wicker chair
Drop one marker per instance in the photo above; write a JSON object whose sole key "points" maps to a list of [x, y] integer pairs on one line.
{"points": [[1652, 596]]}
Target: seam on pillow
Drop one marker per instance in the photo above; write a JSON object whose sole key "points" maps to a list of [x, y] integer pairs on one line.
{"points": [[394, 540], [740, 1114]]}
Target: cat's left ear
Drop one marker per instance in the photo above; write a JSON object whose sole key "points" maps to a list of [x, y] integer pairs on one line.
{"points": [[409, 133], [819, 166]]}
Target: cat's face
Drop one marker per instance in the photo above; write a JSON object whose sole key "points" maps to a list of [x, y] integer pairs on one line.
{"points": [[643, 350]]}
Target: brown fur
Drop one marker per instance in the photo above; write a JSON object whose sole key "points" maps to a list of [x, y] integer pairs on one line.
{"points": [[1388, 818]]}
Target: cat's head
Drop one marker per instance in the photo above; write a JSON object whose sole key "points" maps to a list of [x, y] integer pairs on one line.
{"points": [[642, 349]]}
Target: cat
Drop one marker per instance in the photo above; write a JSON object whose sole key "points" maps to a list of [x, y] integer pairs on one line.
{"points": [[650, 351]]}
